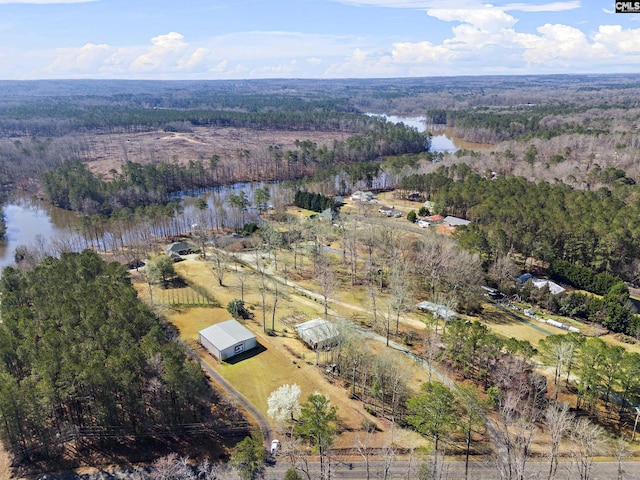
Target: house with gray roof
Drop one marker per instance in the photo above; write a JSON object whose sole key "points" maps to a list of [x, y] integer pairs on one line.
{"points": [[455, 221]]}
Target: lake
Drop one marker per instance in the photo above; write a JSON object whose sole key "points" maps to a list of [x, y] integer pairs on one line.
{"points": [[34, 223]]}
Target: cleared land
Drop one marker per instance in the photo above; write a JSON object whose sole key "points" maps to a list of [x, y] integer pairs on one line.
{"points": [[104, 152]]}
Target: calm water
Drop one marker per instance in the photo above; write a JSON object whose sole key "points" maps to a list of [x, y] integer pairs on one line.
{"points": [[30, 220], [442, 140], [33, 223]]}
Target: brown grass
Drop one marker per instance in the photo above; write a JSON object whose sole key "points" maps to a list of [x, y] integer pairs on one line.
{"points": [[110, 151], [283, 359]]}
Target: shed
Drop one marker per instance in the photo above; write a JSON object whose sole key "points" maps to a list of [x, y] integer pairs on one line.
{"points": [[318, 333], [455, 221], [554, 288], [437, 310], [227, 339], [180, 248]]}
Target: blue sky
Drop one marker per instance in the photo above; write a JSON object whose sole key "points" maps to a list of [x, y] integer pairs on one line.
{"points": [[231, 39]]}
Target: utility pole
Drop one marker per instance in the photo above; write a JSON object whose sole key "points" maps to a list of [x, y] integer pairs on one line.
{"points": [[635, 425]]}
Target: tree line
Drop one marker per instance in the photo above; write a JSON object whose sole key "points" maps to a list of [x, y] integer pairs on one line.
{"points": [[548, 221], [79, 349], [316, 202]]}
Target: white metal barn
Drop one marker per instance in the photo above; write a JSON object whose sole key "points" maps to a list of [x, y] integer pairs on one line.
{"points": [[318, 333], [227, 339]]}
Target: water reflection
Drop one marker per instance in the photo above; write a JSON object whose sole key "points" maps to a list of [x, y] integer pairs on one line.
{"points": [[28, 218], [35, 223], [442, 139]]}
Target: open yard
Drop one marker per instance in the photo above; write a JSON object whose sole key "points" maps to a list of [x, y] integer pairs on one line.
{"points": [[280, 359]]}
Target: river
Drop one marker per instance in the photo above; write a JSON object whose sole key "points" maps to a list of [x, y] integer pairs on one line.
{"points": [[34, 223], [442, 140]]}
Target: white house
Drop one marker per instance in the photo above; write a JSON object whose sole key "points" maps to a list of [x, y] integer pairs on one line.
{"points": [[227, 339], [362, 196], [318, 333]]}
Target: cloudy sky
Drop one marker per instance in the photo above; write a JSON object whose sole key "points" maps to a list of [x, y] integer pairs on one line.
{"points": [[225, 39]]}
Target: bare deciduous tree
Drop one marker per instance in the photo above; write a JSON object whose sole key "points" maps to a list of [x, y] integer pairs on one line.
{"points": [[587, 440], [558, 420]]}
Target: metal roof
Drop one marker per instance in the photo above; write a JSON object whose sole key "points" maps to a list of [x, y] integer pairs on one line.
{"points": [[226, 334], [455, 221], [317, 331]]}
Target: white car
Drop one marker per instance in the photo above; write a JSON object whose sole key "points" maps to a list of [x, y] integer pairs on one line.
{"points": [[275, 446]]}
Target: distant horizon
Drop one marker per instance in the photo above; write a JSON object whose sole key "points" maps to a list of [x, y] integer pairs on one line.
{"points": [[313, 39], [320, 79]]}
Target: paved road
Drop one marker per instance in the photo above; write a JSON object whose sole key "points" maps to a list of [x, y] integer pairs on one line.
{"points": [[454, 470]]}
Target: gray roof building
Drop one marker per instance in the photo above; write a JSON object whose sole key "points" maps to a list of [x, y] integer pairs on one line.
{"points": [[180, 248], [455, 221], [435, 309], [227, 339]]}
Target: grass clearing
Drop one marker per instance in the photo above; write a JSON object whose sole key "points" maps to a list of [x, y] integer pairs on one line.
{"points": [[506, 325]]}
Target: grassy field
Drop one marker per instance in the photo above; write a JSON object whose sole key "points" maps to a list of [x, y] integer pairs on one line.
{"points": [[279, 360]]}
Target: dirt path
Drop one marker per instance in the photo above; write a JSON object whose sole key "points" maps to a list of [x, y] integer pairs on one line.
{"points": [[238, 398]]}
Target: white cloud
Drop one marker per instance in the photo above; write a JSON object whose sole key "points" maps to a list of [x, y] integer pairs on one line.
{"points": [[90, 57], [314, 60], [465, 4], [546, 7], [555, 43], [485, 40], [414, 4], [198, 57], [487, 18], [165, 51], [616, 40]]}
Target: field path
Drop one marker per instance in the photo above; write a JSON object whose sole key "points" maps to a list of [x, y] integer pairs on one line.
{"points": [[239, 400]]}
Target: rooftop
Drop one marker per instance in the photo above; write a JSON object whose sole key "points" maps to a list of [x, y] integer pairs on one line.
{"points": [[226, 334]]}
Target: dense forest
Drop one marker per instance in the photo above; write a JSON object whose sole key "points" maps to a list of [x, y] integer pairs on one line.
{"points": [[549, 221], [79, 349]]}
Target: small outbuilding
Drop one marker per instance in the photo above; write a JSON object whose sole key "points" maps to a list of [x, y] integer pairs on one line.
{"points": [[455, 221], [180, 248], [437, 310], [318, 333], [227, 339]]}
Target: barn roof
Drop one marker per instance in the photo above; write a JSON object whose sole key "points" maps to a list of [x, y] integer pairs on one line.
{"points": [[226, 334], [455, 221], [178, 247], [317, 331], [438, 310]]}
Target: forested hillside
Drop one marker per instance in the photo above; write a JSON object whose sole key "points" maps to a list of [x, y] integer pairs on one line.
{"points": [[79, 349]]}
